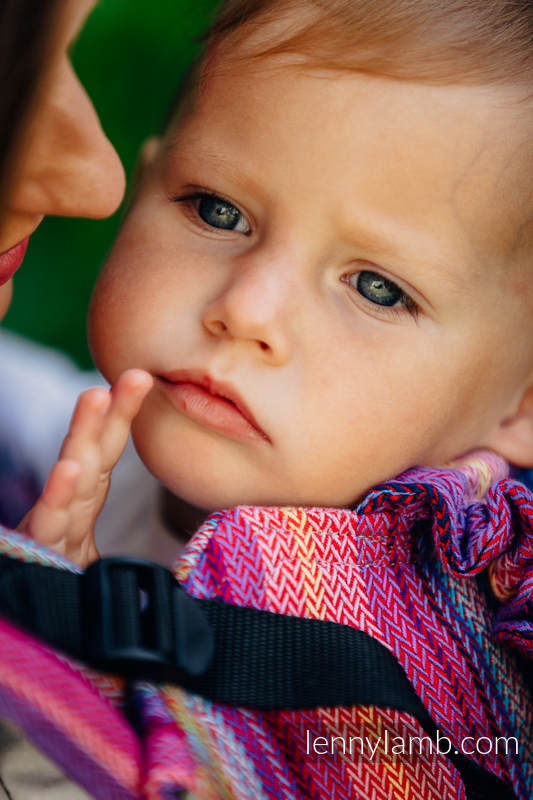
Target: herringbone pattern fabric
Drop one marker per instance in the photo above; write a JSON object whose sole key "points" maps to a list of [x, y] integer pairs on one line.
{"points": [[401, 567]]}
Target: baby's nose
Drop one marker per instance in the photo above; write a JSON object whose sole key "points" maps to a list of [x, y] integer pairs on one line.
{"points": [[254, 308]]}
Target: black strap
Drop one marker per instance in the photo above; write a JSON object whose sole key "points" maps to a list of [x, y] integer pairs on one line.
{"points": [[132, 618]]}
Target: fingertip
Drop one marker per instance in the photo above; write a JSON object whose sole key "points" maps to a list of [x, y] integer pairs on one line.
{"points": [[137, 378], [140, 376], [99, 395], [97, 398]]}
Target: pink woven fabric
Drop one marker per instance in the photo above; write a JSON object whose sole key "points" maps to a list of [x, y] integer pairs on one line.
{"points": [[401, 567]]}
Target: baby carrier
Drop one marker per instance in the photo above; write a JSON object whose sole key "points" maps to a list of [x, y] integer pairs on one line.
{"points": [[305, 653]]}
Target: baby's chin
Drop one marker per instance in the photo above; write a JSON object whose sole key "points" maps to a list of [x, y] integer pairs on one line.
{"points": [[203, 470], [207, 495], [194, 484], [204, 489]]}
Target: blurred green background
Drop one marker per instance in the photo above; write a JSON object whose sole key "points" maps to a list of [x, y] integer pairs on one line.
{"points": [[130, 56]]}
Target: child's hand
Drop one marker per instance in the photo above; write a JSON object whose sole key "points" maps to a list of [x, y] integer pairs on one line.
{"points": [[63, 518]]}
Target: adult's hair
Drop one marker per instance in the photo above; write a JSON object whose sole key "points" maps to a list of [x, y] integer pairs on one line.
{"points": [[435, 41], [26, 30]]}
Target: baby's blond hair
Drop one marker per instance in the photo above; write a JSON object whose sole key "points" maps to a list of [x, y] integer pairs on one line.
{"points": [[435, 41]]}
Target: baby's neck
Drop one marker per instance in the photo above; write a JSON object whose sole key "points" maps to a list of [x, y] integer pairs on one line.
{"points": [[181, 518]]}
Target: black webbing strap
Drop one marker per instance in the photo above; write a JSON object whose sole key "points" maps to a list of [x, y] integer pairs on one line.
{"points": [[132, 618]]}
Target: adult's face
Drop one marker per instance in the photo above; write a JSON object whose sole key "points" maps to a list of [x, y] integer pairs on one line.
{"points": [[65, 164]]}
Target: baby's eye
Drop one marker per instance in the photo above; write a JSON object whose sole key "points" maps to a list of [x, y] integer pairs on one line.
{"points": [[220, 214], [379, 290], [216, 212]]}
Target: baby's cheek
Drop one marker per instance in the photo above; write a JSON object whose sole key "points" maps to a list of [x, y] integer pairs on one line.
{"points": [[106, 332]]}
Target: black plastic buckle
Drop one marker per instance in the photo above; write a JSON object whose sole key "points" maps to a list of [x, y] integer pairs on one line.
{"points": [[138, 622]]}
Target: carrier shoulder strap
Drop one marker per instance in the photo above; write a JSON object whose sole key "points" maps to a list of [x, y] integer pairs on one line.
{"points": [[131, 617]]}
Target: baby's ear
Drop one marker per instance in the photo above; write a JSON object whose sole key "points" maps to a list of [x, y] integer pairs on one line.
{"points": [[513, 437], [147, 156], [149, 151]]}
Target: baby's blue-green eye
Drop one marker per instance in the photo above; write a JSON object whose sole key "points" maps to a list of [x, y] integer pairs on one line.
{"points": [[377, 289], [381, 292], [218, 213]]}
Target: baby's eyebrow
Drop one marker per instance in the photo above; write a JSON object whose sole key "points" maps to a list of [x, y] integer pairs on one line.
{"points": [[414, 254], [199, 156]]}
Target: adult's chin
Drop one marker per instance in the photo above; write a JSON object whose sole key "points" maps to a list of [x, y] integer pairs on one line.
{"points": [[6, 292]]}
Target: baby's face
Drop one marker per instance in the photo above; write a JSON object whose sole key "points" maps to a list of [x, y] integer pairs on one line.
{"points": [[339, 257]]}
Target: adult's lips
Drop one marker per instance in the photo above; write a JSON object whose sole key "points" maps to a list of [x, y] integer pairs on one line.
{"points": [[213, 403], [11, 260]]}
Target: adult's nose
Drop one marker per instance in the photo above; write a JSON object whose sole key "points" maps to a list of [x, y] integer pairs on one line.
{"points": [[68, 167], [255, 308]]}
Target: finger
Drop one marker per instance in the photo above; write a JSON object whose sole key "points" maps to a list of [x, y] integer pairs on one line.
{"points": [[83, 441], [48, 520], [129, 391], [60, 487], [86, 424], [127, 397]]}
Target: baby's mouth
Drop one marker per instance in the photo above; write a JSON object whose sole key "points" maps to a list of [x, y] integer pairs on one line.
{"points": [[212, 404]]}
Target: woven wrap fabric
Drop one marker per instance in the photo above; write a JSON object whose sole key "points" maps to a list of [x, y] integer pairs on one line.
{"points": [[402, 567]]}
